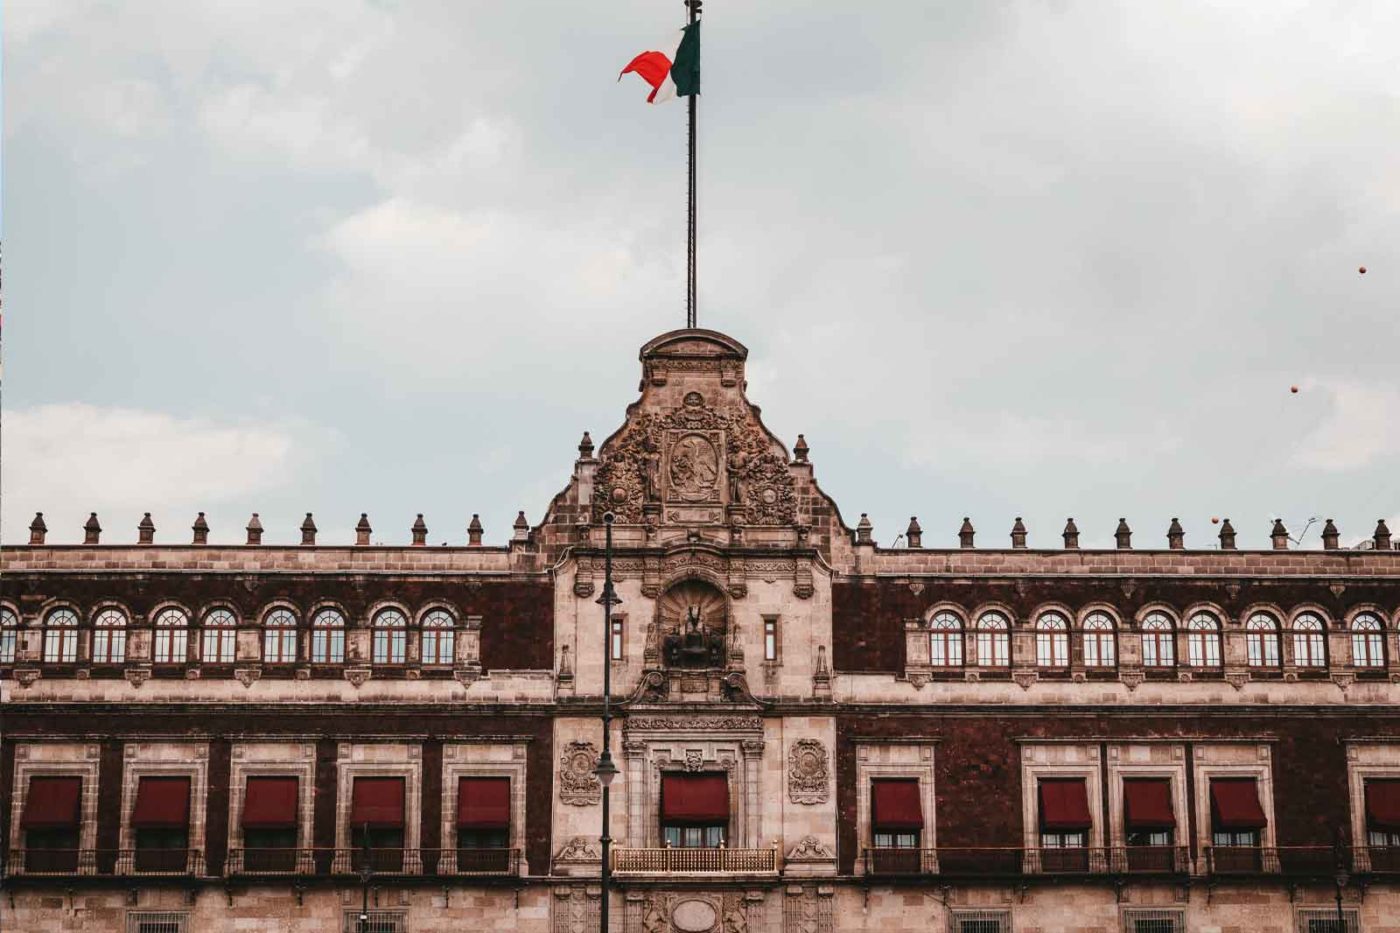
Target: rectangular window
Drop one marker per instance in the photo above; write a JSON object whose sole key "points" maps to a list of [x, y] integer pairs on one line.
{"points": [[157, 921], [1324, 920], [160, 823], [694, 810], [270, 824], [483, 824], [375, 921], [770, 639], [377, 823], [51, 820], [1154, 921], [615, 640], [979, 921]]}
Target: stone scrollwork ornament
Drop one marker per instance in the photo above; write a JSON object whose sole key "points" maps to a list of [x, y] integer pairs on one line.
{"points": [[809, 773], [578, 785]]}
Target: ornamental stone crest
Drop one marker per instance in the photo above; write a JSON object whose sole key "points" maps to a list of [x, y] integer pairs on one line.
{"points": [[578, 785], [808, 772]]}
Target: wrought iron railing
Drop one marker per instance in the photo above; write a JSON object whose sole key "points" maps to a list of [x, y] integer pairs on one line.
{"points": [[380, 861], [53, 862], [473, 861], [687, 861], [271, 862], [1242, 860], [160, 862], [985, 861]]}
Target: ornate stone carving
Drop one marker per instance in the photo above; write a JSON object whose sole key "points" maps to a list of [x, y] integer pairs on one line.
{"points": [[578, 785], [27, 676], [695, 724], [358, 676], [247, 676], [1343, 679], [1130, 679], [807, 909], [1025, 679], [810, 849], [809, 772], [1237, 679], [694, 760], [580, 849], [575, 910], [736, 918], [138, 674]]}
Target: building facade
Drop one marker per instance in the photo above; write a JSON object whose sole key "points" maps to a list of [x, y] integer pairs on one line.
{"points": [[813, 733]]}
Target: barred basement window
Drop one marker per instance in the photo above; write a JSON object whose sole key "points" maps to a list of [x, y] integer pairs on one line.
{"points": [[376, 921], [1324, 920], [979, 921], [1154, 921], [157, 921]]}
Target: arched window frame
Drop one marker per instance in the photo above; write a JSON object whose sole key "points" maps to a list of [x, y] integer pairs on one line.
{"points": [[993, 639], [1052, 641], [109, 626], [60, 636], [9, 635], [170, 640], [438, 638], [1263, 647], [1309, 641], [389, 643], [219, 636], [328, 636], [945, 640], [1158, 641], [1100, 636], [1368, 641], [1203, 648], [280, 636]]}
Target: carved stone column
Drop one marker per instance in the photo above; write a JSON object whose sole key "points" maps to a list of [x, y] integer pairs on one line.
{"points": [[635, 755], [753, 797]]}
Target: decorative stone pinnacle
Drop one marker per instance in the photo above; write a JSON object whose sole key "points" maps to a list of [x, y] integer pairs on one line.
{"points": [[864, 529], [420, 531], [1018, 533], [474, 531], [92, 531], [37, 529], [1070, 534], [146, 530], [255, 530], [1123, 535], [200, 529], [1279, 535], [1176, 535], [914, 534], [585, 447], [1227, 536], [522, 526], [308, 530], [1331, 538], [362, 530], [1382, 536], [800, 449], [966, 533]]}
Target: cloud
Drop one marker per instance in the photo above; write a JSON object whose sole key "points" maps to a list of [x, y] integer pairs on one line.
{"points": [[1358, 429], [70, 459]]}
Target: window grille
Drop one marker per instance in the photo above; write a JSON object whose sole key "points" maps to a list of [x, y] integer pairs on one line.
{"points": [[157, 921], [979, 921], [1324, 920], [376, 921], [1154, 921]]}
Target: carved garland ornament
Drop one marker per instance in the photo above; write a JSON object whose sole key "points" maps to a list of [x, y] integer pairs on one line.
{"points": [[578, 785], [808, 772]]}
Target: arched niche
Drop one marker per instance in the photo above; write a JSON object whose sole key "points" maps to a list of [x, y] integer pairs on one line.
{"points": [[693, 625]]}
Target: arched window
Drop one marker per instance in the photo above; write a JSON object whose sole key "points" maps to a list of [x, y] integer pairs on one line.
{"points": [[1261, 640], [1100, 643], [220, 637], [1309, 645], [439, 637], [993, 640], [280, 637], [172, 637], [9, 635], [1367, 641], [328, 637], [1052, 640], [61, 637], [1158, 641], [390, 637], [109, 637], [1203, 640], [945, 640]]}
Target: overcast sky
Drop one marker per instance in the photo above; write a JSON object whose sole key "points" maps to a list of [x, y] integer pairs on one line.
{"points": [[992, 258]]}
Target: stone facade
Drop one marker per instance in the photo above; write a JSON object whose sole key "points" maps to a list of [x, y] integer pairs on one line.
{"points": [[760, 642]]}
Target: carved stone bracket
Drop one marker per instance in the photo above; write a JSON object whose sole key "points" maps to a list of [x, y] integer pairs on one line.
{"points": [[357, 676], [1131, 679], [578, 785], [1025, 679], [1343, 679], [1237, 679], [138, 674], [580, 855], [26, 676], [809, 772], [247, 676]]}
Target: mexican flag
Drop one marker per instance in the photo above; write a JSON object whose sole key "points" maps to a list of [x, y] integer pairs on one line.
{"points": [[675, 73]]}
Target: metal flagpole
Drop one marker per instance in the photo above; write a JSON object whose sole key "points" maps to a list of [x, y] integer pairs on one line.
{"points": [[693, 6]]}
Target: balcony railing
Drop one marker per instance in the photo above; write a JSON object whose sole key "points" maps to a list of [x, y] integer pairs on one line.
{"points": [[475, 861], [271, 862], [53, 862], [692, 861], [160, 862], [381, 861], [1242, 860], [983, 862]]}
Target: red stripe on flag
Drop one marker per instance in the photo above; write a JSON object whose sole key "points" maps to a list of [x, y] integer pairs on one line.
{"points": [[653, 67]]}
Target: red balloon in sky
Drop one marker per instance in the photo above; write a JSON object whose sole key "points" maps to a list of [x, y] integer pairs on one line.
{"points": [[1293, 389], [1362, 270]]}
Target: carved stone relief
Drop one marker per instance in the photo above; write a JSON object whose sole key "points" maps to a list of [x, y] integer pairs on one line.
{"points": [[578, 785], [575, 910], [808, 772]]}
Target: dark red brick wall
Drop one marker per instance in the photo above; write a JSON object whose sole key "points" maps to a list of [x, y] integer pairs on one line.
{"points": [[517, 629]]}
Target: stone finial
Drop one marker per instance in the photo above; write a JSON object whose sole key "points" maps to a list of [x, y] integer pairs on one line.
{"points": [[255, 530], [37, 529], [146, 530], [1071, 535], [363, 530], [800, 449], [1227, 536], [1279, 535], [1176, 535], [1123, 535], [92, 531], [1382, 536], [1331, 538], [1018, 533], [200, 529], [914, 534], [420, 531], [474, 531], [864, 529], [308, 530], [585, 447], [521, 526], [966, 533]]}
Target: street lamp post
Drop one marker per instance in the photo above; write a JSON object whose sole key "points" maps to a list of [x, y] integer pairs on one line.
{"points": [[366, 875], [606, 770], [1341, 878]]}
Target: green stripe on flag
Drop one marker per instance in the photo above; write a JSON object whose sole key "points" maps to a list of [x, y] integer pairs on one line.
{"points": [[685, 72]]}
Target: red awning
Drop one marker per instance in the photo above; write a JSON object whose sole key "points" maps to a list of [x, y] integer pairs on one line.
{"points": [[1234, 804], [377, 803], [483, 803], [1064, 805], [53, 803], [694, 798], [1147, 804], [895, 805], [162, 803], [271, 803], [1382, 804]]}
